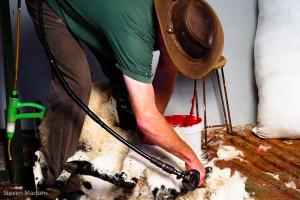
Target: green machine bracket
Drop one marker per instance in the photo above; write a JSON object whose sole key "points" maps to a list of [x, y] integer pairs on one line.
{"points": [[13, 116]]}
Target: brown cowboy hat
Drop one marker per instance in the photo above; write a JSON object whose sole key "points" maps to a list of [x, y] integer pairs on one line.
{"points": [[192, 33]]}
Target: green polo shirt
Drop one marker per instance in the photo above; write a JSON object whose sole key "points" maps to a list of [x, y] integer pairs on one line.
{"points": [[122, 29]]}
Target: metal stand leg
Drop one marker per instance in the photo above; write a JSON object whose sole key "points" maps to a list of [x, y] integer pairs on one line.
{"points": [[204, 110], [196, 97], [225, 107], [227, 104], [221, 96]]}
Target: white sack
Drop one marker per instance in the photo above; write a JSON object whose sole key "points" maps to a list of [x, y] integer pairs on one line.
{"points": [[277, 68]]}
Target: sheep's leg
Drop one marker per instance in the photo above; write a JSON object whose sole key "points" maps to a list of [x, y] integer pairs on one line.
{"points": [[40, 183], [59, 185], [39, 165], [86, 168]]}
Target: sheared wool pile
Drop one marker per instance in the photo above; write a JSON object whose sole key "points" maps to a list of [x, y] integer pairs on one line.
{"points": [[110, 156]]}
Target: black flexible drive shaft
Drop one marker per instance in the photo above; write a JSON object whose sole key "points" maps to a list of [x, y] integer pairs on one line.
{"points": [[191, 179]]}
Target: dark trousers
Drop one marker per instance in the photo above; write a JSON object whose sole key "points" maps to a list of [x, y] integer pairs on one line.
{"points": [[67, 117]]}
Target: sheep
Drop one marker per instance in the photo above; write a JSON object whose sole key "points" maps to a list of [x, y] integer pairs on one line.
{"points": [[107, 161]]}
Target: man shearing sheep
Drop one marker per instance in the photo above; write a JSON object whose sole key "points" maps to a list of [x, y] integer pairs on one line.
{"points": [[123, 35]]}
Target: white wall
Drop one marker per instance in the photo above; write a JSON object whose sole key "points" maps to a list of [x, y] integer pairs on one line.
{"points": [[238, 17]]}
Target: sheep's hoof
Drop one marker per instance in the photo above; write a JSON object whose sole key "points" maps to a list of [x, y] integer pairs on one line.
{"points": [[78, 167], [52, 193], [70, 167]]}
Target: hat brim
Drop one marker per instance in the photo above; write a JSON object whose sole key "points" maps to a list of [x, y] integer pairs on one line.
{"points": [[191, 69]]}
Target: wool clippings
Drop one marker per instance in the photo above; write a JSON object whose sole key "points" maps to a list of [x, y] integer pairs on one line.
{"points": [[273, 175], [229, 152], [291, 185]]}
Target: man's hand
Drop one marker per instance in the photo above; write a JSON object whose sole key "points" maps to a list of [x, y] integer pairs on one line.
{"points": [[199, 167]]}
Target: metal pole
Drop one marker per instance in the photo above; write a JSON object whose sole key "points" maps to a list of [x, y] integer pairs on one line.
{"points": [[222, 99], [204, 110], [196, 97], [227, 104]]}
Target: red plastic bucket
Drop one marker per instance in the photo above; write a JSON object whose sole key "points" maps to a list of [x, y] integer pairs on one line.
{"points": [[190, 126]]}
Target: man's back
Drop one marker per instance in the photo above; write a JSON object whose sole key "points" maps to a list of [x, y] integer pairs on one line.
{"points": [[125, 30]]}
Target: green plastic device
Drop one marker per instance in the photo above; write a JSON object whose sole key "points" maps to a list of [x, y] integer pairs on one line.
{"points": [[13, 116], [13, 102]]}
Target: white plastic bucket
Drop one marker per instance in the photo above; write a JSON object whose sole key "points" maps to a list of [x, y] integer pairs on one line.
{"points": [[190, 126]]}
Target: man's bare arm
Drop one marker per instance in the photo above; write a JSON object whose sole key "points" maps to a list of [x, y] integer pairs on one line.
{"points": [[152, 123]]}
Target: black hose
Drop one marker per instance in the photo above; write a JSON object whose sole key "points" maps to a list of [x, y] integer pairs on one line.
{"points": [[73, 96]]}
